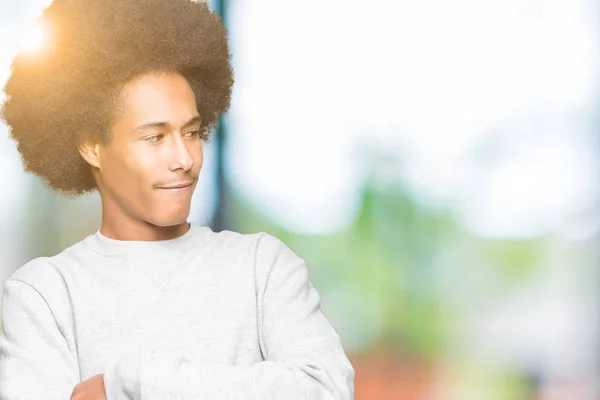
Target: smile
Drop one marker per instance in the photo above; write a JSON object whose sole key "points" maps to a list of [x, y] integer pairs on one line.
{"points": [[178, 189]]}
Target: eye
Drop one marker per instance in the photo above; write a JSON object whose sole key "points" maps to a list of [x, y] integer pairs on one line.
{"points": [[153, 139], [193, 133]]}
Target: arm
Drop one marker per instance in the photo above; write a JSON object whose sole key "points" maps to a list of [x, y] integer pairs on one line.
{"points": [[304, 358], [35, 360]]}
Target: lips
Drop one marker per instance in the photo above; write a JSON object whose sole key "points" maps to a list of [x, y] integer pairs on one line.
{"points": [[180, 185]]}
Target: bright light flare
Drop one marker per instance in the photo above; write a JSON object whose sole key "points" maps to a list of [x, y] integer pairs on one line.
{"points": [[35, 38]]}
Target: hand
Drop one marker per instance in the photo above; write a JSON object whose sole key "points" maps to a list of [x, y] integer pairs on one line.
{"points": [[92, 389]]}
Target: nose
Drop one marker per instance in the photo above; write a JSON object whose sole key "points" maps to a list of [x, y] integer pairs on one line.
{"points": [[181, 157]]}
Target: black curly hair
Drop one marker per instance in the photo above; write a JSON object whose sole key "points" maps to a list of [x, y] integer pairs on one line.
{"points": [[71, 88]]}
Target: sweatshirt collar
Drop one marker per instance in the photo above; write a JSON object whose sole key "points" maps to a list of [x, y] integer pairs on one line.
{"points": [[150, 251]]}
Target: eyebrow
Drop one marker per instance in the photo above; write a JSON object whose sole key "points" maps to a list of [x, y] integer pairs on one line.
{"points": [[162, 124]]}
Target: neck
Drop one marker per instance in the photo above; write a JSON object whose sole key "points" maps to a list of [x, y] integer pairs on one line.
{"points": [[141, 230], [118, 225]]}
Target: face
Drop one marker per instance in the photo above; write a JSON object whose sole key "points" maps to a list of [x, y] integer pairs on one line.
{"points": [[156, 146]]}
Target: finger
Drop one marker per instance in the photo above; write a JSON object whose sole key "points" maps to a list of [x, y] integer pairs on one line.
{"points": [[77, 390]]}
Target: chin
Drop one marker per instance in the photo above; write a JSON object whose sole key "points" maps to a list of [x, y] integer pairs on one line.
{"points": [[171, 220]]}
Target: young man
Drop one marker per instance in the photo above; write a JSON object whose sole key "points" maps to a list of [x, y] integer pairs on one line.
{"points": [[121, 100]]}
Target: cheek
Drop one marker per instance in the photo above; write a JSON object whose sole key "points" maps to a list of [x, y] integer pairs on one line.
{"points": [[142, 176], [199, 156], [139, 189], [131, 177]]}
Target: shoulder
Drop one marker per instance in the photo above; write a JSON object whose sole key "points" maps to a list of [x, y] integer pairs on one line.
{"points": [[42, 280], [233, 243], [270, 248], [33, 272], [47, 274], [41, 275], [263, 247], [276, 262], [263, 244], [265, 251], [40, 288]]}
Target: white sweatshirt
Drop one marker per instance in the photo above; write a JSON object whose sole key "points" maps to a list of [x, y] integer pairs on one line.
{"points": [[204, 316]]}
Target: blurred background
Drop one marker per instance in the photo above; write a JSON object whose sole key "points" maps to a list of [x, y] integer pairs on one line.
{"points": [[437, 164]]}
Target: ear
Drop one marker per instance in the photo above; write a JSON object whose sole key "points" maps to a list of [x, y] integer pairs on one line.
{"points": [[89, 148]]}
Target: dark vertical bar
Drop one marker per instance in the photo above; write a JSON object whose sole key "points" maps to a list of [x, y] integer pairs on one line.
{"points": [[220, 219]]}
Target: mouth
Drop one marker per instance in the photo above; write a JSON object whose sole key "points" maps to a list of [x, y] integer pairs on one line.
{"points": [[179, 187]]}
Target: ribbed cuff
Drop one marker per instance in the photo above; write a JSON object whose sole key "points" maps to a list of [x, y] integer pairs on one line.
{"points": [[122, 377]]}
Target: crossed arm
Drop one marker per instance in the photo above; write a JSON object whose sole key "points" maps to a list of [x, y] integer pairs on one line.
{"points": [[304, 358]]}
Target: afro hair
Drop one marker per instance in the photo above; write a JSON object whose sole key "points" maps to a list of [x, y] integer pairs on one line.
{"points": [[71, 87]]}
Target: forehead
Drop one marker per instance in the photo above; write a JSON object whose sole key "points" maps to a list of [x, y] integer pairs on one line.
{"points": [[161, 96]]}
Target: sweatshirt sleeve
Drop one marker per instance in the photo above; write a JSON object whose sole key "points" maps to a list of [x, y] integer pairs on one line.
{"points": [[35, 360], [304, 358]]}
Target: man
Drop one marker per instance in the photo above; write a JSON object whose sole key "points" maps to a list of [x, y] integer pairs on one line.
{"points": [[121, 101]]}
